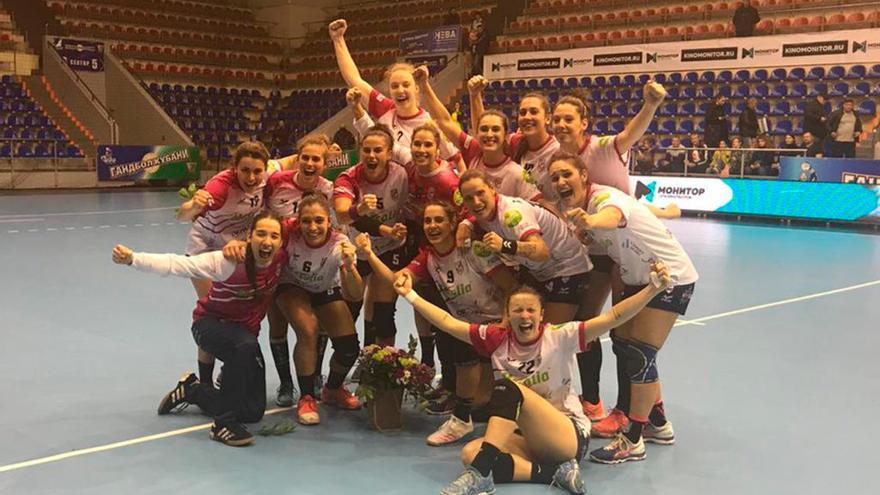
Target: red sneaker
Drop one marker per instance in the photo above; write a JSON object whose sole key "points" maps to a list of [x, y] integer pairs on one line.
{"points": [[307, 410], [340, 398], [609, 427], [595, 412]]}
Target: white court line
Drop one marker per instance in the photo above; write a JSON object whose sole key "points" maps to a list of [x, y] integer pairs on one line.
{"points": [[23, 220], [182, 431], [98, 212]]}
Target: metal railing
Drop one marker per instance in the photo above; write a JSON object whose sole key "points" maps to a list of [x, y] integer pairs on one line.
{"points": [[702, 162], [18, 166]]}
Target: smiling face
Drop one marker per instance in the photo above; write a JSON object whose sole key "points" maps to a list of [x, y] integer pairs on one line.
{"points": [[311, 161], [374, 154], [314, 223], [568, 125], [249, 172], [479, 198], [437, 225], [569, 183], [524, 312], [424, 149], [265, 240], [404, 91], [491, 133], [532, 118]]}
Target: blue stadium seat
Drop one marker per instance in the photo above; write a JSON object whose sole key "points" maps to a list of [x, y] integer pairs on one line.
{"points": [[688, 92], [675, 78], [701, 126], [41, 150], [856, 72], [702, 108], [610, 94], [738, 107], [705, 92], [545, 84], [619, 110], [507, 85], [799, 108], [600, 81], [780, 108], [759, 91], [673, 92], [815, 74], [798, 90], [617, 126], [839, 89], [875, 91], [602, 127], [742, 76], [725, 90], [661, 78], [596, 95], [818, 89], [724, 76], [669, 108], [783, 126], [641, 80], [520, 84], [875, 71], [707, 77], [559, 83], [688, 108], [779, 91], [778, 74], [571, 82], [665, 142], [586, 81], [796, 74], [836, 72], [614, 81], [25, 150], [604, 110], [6, 149], [685, 127], [860, 89], [867, 108], [760, 75], [9, 133], [763, 107], [634, 108], [625, 94], [691, 77]]}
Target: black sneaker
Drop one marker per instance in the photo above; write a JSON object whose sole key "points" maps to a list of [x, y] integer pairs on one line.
{"points": [[176, 400], [233, 434], [285, 395], [442, 406]]}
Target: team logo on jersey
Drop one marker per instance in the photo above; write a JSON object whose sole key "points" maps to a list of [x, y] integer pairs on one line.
{"points": [[527, 177], [480, 249], [457, 197], [599, 199], [512, 218]]}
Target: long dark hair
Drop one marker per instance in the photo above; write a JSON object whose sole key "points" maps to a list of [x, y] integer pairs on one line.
{"points": [[250, 263], [523, 146], [505, 122]]}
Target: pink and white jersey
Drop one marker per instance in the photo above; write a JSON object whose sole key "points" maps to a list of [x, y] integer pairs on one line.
{"points": [[547, 366], [283, 194], [463, 277], [227, 217], [516, 219], [232, 297], [606, 165], [440, 184], [537, 163], [313, 268], [383, 111], [640, 239], [392, 195], [507, 177]]}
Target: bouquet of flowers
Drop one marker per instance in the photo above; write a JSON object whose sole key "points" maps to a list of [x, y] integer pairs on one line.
{"points": [[389, 368]]}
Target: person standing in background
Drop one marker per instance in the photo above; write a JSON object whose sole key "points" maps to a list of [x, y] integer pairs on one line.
{"points": [[716, 122], [748, 123], [844, 127], [745, 18], [479, 43], [815, 118]]}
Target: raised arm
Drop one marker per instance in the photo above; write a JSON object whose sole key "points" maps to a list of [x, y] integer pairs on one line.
{"points": [[189, 210], [532, 247], [352, 282], [605, 219], [476, 85], [435, 107], [439, 318], [629, 307], [347, 67], [365, 245], [635, 128], [211, 265], [362, 121]]}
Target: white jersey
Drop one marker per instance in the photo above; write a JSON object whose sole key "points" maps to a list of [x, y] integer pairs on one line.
{"points": [[537, 163], [463, 277], [283, 194], [313, 268], [606, 165], [640, 240], [383, 111], [516, 219], [392, 195], [227, 217], [547, 366], [507, 177]]}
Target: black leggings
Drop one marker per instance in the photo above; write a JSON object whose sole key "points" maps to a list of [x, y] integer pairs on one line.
{"points": [[242, 394]]}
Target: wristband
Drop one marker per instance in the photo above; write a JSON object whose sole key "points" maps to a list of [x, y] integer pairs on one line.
{"points": [[353, 212], [508, 247], [411, 296]]}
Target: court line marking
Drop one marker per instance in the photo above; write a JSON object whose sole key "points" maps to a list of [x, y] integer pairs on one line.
{"points": [[182, 431], [23, 220], [96, 212]]}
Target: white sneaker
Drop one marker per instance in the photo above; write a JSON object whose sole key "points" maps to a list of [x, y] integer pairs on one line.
{"points": [[451, 431], [662, 435]]}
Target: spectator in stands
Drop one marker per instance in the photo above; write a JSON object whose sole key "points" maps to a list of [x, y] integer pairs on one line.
{"points": [[745, 18], [814, 148], [643, 157], [344, 138], [763, 161], [717, 129], [479, 43], [720, 164], [738, 156], [676, 154], [814, 118], [451, 18], [844, 127], [790, 143], [455, 113], [748, 122], [698, 156]]}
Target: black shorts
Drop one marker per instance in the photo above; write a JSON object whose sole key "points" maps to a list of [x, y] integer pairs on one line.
{"points": [[315, 298], [396, 260], [566, 290], [602, 263], [674, 299]]}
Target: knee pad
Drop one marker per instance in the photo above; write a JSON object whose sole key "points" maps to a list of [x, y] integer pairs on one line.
{"points": [[354, 307], [506, 400], [641, 361], [383, 319], [346, 349]]}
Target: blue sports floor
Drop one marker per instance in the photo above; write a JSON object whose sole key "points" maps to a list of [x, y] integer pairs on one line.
{"points": [[771, 383]]}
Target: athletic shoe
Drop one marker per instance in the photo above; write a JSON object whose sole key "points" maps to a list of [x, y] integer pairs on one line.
{"points": [[609, 427], [284, 396], [568, 477], [442, 406], [595, 412], [663, 435], [450, 431], [319, 384], [307, 410], [470, 482], [176, 400], [619, 450], [340, 397], [233, 434], [437, 393]]}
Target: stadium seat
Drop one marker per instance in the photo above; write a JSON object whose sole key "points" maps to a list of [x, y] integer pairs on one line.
{"points": [[856, 72], [860, 89], [780, 108], [742, 76], [779, 91], [799, 108], [818, 89], [815, 74], [798, 90], [782, 127], [796, 74], [778, 75], [839, 89], [836, 72], [867, 108]]}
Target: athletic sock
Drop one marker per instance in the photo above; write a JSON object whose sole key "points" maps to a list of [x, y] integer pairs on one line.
{"points": [[624, 388], [206, 373], [306, 384], [636, 425], [658, 414], [448, 377], [589, 365], [322, 349], [335, 379], [542, 473], [427, 344], [281, 356], [462, 408], [486, 458], [502, 471]]}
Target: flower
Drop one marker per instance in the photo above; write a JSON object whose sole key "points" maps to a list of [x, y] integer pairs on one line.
{"points": [[384, 368]]}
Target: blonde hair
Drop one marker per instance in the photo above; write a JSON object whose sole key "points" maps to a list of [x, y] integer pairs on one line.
{"points": [[409, 68]]}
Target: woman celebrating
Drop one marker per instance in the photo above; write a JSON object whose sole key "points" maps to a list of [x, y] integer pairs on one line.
{"points": [[471, 282], [401, 114], [371, 197], [537, 431], [222, 211], [634, 238], [226, 327]]}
